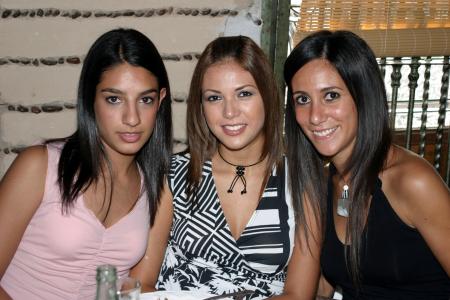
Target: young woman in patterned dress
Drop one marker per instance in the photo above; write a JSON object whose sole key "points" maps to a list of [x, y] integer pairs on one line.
{"points": [[233, 224]]}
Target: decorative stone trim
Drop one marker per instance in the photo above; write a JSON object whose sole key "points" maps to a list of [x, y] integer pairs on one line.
{"points": [[36, 109], [48, 61], [18, 148], [56, 107], [75, 60], [14, 149], [178, 99], [139, 13]]}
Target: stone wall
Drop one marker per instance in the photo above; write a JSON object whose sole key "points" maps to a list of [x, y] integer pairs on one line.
{"points": [[43, 44]]}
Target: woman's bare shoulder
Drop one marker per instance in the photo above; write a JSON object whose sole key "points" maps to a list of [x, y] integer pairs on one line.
{"points": [[27, 171], [31, 159], [413, 182], [407, 170]]}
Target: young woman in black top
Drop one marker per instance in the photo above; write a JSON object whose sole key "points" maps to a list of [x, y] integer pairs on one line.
{"points": [[386, 212]]}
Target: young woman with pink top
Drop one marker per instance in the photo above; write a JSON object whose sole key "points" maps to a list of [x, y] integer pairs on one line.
{"points": [[89, 199]]}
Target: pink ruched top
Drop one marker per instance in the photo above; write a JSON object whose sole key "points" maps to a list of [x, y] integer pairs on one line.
{"points": [[58, 254]]}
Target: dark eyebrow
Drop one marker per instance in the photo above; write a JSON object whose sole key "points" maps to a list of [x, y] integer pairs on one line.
{"points": [[211, 90], [119, 92], [300, 92], [236, 89], [244, 86], [326, 89], [149, 91], [111, 90]]}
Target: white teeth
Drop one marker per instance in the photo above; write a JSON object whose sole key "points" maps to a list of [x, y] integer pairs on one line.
{"points": [[233, 127], [324, 132]]}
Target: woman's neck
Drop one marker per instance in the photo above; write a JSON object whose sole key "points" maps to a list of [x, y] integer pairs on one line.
{"points": [[248, 155], [239, 157], [120, 168], [340, 169]]}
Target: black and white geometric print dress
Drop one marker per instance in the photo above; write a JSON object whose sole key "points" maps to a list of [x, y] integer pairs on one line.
{"points": [[202, 255]]}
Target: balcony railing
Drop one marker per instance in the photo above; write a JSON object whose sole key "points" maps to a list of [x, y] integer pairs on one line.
{"points": [[417, 89]]}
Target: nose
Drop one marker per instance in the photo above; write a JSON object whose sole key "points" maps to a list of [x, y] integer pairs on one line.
{"points": [[131, 115], [317, 113], [230, 108]]}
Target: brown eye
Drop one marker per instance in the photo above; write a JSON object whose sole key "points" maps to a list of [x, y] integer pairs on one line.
{"points": [[330, 96], [147, 100], [113, 99], [245, 94], [301, 99], [213, 98]]}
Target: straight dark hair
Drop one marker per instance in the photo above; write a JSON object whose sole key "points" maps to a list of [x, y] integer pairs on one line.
{"points": [[83, 154], [201, 142], [356, 64]]}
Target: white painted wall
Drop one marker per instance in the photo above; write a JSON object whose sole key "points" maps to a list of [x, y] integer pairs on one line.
{"points": [[27, 34]]}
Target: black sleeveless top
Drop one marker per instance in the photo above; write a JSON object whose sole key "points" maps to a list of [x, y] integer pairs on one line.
{"points": [[396, 262]]}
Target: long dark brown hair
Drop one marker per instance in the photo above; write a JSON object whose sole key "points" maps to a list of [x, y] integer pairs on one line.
{"points": [[83, 154], [356, 64], [202, 144]]}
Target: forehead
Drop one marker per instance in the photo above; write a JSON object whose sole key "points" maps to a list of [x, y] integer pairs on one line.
{"points": [[125, 72], [227, 70], [317, 73]]}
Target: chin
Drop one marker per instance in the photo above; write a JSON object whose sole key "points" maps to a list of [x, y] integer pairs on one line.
{"points": [[235, 147], [131, 150], [326, 152]]}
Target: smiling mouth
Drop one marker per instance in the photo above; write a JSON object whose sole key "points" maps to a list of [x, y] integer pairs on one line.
{"points": [[233, 130], [233, 127], [325, 132]]}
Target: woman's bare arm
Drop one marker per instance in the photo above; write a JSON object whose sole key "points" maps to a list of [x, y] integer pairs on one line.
{"points": [[304, 268], [21, 192], [147, 270]]}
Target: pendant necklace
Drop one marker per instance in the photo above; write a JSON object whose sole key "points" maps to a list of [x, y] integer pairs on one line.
{"points": [[240, 172], [343, 204]]}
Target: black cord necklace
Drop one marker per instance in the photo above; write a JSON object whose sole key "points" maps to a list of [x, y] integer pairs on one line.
{"points": [[240, 172]]}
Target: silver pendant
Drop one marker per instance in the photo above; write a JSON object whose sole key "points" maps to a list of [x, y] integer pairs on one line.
{"points": [[343, 204]]}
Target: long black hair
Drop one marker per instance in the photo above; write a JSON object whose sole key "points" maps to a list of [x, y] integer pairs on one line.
{"points": [[356, 64], [83, 153]]}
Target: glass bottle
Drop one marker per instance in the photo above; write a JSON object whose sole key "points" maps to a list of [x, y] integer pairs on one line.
{"points": [[106, 283]]}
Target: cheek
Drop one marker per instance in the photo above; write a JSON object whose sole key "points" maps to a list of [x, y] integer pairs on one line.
{"points": [[209, 113], [349, 114], [255, 112], [103, 112], [355, 117], [260, 111], [262, 120], [253, 109], [101, 117], [149, 116], [105, 116], [301, 116], [354, 123]]}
